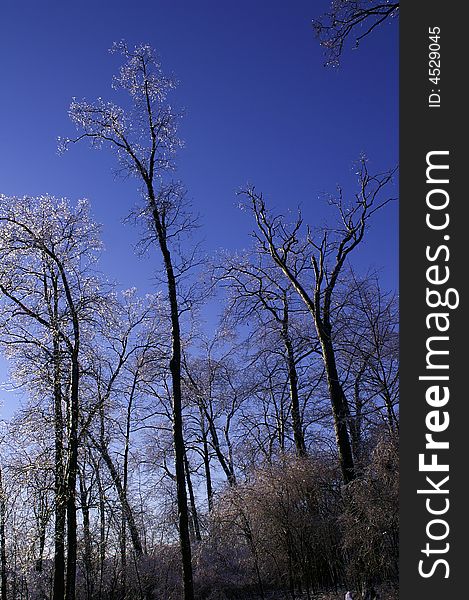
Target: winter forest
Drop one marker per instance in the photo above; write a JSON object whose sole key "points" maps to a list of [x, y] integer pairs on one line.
{"points": [[231, 432]]}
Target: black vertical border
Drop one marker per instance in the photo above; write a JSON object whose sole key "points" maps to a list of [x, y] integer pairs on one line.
{"points": [[423, 129]]}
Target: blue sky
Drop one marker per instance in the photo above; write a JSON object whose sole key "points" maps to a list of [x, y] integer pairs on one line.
{"points": [[260, 107]]}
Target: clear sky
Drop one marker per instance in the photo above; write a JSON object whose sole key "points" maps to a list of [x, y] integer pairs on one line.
{"points": [[260, 107]]}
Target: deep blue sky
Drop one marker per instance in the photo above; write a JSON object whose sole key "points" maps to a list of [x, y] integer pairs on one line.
{"points": [[260, 108]]}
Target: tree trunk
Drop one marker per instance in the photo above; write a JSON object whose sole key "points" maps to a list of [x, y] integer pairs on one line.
{"points": [[297, 424], [59, 548], [70, 580], [295, 403], [224, 463], [137, 544], [195, 518], [123, 551], [294, 398], [206, 458], [123, 540], [339, 410], [102, 526], [59, 488], [87, 558], [393, 422], [175, 368], [42, 544], [355, 424], [3, 554]]}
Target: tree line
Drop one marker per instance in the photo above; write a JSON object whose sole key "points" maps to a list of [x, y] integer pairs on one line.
{"points": [[157, 459]]}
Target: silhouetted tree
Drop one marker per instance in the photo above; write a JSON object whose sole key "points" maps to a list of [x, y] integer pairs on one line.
{"points": [[351, 18], [313, 267], [145, 141]]}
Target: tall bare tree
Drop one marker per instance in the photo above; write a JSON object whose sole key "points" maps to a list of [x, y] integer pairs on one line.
{"points": [[145, 141], [47, 249], [313, 266], [213, 384], [258, 295], [368, 345]]}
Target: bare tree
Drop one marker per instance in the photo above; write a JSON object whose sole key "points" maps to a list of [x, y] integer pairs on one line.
{"points": [[313, 267], [126, 341], [145, 141], [368, 345], [351, 18], [130, 415], [213, 385], [47, 249], [258, 295]]}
